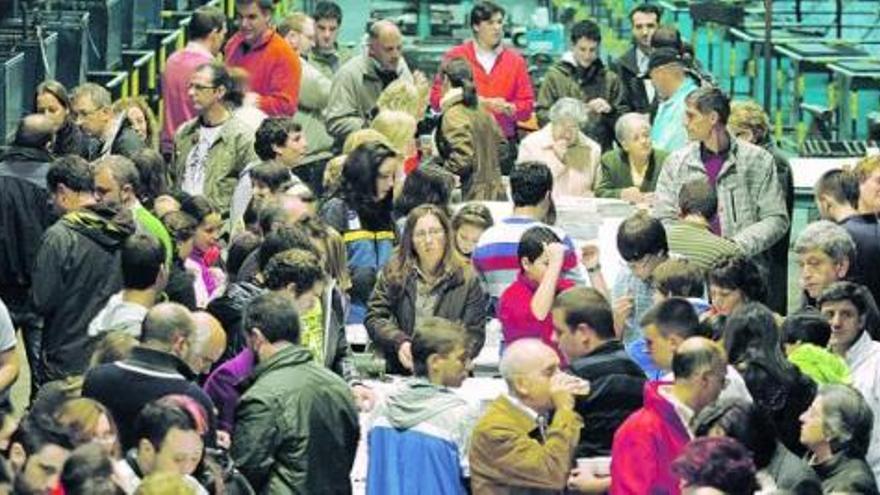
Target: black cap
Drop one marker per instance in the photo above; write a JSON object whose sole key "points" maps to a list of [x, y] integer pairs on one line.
{"points": [[663, 56]]}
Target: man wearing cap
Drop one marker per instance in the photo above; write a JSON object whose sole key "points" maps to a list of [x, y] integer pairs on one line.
{"points": [[673, 85]]}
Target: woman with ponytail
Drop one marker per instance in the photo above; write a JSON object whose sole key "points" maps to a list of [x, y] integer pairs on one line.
{"points": [[469, 142]]}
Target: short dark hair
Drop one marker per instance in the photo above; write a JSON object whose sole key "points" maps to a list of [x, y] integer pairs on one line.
{"points": [[698, 197], [221, 76], [678, 277], [142, 258], [181, 226], [282, 239], [717, 462], [687, 361], [674, 316], [641, 235], [646, 8], [72, 171], [164, 322], [529, 183], [483, 11], [205, 20], [807, 326], [860, 296], [264, 5], [531, 244], [711, 99], [327, 10], [240, 247], [840, 184], [273, 131], [586, 29], [736, 271], [198, 207], [436, 335], [37, 429], [272, 174], [152, 168], [585, 305], [88, 471], [428, 184], [156, 419], [294, 266], [274, 315]]}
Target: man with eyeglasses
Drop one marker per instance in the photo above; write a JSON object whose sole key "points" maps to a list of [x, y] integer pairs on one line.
{"points": [[91, 105], [211, 150]]}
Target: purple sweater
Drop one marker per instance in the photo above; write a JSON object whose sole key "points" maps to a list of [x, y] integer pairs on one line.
{"points": [[222, 387]]}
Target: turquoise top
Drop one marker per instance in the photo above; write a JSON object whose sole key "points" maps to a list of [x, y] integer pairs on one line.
{"points": [[669, 133]]}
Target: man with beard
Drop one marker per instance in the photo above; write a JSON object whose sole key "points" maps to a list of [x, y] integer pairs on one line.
{"points": [[77, 267]]}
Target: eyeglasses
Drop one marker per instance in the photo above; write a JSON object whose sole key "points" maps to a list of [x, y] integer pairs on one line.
{"points": [[83, 114], [200, 87], [423, 234]]}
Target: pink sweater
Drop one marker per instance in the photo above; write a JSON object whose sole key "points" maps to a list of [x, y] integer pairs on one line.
{"points": [[176, 105]]}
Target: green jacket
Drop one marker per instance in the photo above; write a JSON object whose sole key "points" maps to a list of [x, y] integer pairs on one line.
{"points": [[567, 79], [227, 157], [296, 427], [614, 174]]}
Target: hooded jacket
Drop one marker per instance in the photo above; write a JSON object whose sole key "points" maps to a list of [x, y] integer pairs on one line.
{"points": [[296, 427], [645, 446], [76, 271], [24, 215], [568, 79], [419, 441]]}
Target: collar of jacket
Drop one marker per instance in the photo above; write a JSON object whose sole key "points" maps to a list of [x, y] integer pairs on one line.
{"points": [[655, 402], [288, 357], [695, 157], [569, 65], [453, 96], [372, 68], [608, 347], [267, 36], [108, 225], [24, 153], [628, 60], [155, 360], [705, 153]]}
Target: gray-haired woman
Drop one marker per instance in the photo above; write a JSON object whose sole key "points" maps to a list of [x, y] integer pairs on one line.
{"points": [[837, 430], [630, 172], [572, 157]]}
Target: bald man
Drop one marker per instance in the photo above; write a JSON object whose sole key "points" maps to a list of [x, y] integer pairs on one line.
{"points": [[652, 437], [208, 344], [513, 446], [358, 84]]}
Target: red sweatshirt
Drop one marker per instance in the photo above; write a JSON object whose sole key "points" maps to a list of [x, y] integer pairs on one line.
{"points": [[274, 68], [509, 79]]}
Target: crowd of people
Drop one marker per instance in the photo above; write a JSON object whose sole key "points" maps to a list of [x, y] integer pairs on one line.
{"points": [[183, 287]]}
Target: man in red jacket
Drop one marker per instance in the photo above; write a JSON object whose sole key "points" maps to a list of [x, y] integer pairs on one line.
{"points": [[272, 64], [500, 73], [652, 437]]}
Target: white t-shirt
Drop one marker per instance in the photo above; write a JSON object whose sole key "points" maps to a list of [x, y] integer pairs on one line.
{"points": [[196, 163]]}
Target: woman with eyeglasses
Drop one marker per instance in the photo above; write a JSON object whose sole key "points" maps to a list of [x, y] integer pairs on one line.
{"points": [[425, 277], [754, 347]]}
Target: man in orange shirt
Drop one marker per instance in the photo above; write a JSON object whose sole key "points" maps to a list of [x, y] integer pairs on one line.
{"points": [[273, 65]]}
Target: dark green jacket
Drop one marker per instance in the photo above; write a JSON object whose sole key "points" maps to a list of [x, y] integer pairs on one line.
{"points": [[567, 79], [296, 427], [614, 173]]}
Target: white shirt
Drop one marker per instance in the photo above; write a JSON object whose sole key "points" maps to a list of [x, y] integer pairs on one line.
{"points": [[196, 163], [487, 58], [863, 358]]}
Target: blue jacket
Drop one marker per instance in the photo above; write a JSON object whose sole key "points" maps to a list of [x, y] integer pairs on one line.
{"points": [[367, 252], [418, 442]]}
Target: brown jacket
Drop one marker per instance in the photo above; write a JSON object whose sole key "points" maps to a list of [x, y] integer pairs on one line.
{"points": [[470, 144], [506, 458]]}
